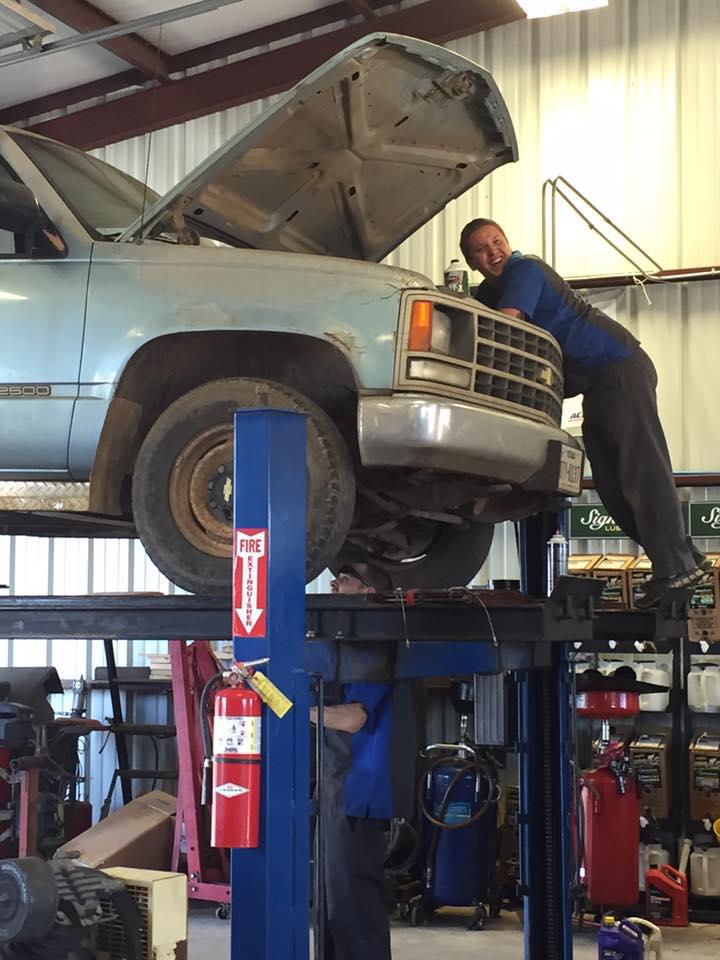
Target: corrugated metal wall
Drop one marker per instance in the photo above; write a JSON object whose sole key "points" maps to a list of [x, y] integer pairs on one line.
{"points": [[30, 565], [623, 102]]}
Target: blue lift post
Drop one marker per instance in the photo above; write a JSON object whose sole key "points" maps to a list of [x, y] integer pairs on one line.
{"points": [[270, 898], [270, 885], [545, 753], [543, 748]]}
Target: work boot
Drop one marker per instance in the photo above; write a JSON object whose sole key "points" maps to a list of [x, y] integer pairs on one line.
{"points": [[690, 578], [654, 590]]}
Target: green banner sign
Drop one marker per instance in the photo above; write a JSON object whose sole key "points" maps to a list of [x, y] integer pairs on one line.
{"points": [[705, 518], [591, 521]]}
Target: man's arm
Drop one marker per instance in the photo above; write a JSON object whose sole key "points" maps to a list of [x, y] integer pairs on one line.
{"points": [[523, 288], [349, 717]]}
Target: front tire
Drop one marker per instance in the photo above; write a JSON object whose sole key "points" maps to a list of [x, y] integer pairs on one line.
{"points": [[452, 558], [182, 483]]}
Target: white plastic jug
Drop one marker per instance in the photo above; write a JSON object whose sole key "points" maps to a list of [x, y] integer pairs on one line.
{"points": [[711, 677], [652, 938], [696, 690], [651, 855], [703, 689], [456, 277], [705, 872], [658, 673]]}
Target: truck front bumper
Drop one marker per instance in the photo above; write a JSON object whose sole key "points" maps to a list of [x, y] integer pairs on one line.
{"points": [[426, 432]]}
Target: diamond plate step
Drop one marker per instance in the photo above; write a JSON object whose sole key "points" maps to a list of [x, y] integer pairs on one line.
{"points": [[62, 495]]}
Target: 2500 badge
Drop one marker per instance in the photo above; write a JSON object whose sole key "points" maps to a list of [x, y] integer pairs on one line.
{"points": [[23, 391]]}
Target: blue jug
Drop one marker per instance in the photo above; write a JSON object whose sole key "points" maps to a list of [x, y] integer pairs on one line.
{"points": [[620, 941]]}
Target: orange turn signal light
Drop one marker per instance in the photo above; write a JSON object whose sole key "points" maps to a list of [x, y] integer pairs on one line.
{"points": [[420, 326]]}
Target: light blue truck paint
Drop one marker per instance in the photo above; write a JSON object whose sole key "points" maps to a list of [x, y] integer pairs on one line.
{"points": [[352, 305], [276, 236]]}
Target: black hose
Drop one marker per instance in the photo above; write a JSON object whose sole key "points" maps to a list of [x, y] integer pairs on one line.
{"points": [[204, 724], [462, 768], [206, 737], [397, 828]]}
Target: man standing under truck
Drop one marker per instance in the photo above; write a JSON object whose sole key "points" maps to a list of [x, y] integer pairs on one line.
{"points": [[369, 777], [624, 438]]}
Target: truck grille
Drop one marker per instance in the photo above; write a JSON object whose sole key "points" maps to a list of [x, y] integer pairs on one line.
{"points": [[515, 365]]}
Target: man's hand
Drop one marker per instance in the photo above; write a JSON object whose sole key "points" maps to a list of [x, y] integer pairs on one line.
{"points": [[349, 717], [512, 312]]}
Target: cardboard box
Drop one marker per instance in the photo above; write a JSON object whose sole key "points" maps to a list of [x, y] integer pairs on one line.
{"points": [[704, 615], [614, 569], [139, 835], [650, 757], [638, 573], [581, 564], [705, 776]]}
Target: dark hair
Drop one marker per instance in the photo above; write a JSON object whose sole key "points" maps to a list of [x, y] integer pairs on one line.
{"points": [[469, 229], [379, 578], [373, 575]]}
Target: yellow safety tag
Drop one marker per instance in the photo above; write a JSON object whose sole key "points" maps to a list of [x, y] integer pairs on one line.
{"points": [[269, 694]]}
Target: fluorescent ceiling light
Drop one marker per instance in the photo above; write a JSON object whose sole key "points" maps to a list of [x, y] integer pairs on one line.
{"points": [[548, 8]]}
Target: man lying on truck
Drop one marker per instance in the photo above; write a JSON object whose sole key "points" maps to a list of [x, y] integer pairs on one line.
{"points": [[624, 439]]}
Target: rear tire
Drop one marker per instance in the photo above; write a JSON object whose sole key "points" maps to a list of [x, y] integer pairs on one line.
{"points": [[182, 501]]}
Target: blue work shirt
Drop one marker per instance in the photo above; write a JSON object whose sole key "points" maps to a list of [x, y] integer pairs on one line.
{"points": [[589, 339], [381, 780]]}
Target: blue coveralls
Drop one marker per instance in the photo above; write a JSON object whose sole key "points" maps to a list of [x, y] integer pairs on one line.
{"points": [[624, 439]]}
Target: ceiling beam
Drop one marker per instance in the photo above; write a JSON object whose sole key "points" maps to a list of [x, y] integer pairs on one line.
{"points": [[363, 8], [84, 17], [219, 50], [78, 94], [273, 33], [265, 74]]}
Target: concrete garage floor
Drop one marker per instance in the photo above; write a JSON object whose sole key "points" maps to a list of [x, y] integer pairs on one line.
{"points": [[502, 939]]}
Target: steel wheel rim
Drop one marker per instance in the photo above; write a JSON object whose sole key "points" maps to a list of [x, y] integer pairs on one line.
{"points": [[194, 479]]}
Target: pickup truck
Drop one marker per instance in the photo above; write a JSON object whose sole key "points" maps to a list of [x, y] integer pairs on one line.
{"points": [[134, 325]]}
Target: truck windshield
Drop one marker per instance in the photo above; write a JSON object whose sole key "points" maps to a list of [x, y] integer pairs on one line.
{"points": [[103, 198]]}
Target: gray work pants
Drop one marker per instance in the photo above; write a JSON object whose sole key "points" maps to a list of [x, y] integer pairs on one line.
{"points": [[357, 926], [630, 461]]}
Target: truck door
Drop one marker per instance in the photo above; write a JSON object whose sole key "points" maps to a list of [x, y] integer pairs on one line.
{"points": [[43, 284]]}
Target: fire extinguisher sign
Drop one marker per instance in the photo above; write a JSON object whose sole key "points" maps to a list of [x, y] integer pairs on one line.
{"points": [[250, 583]]}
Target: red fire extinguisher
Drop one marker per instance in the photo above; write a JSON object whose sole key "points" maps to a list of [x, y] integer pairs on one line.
{"points": [[235, 765]]}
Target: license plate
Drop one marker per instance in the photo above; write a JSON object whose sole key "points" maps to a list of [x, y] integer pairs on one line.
{"points": [[571, 465]]}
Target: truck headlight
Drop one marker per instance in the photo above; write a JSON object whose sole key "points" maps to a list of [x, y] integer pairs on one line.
{"points": [[430, 329], [439, 372]]}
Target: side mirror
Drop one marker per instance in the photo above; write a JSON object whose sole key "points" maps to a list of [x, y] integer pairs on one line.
{"points": [[19, 211]]}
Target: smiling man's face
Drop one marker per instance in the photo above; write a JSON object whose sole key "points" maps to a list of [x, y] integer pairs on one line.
{"points": [[489, 251]]}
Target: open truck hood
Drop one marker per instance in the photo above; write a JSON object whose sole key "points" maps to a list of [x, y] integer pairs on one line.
{"points": [[353, 159]]}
